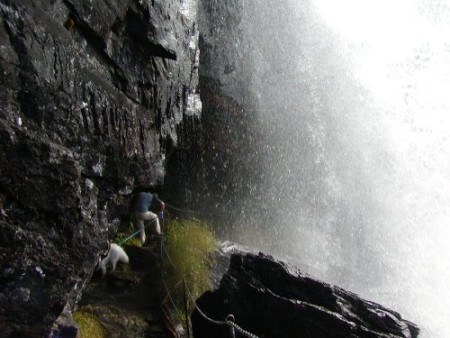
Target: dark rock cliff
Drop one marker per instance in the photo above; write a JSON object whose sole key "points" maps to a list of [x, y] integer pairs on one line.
{"points": [[95, 94], [219, 165], [272, 299]]}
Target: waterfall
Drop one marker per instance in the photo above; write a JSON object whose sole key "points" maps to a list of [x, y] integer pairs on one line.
{"points": [[354, 186]]}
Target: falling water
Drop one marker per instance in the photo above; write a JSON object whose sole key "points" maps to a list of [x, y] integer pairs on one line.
{"points": [[353, 103]]}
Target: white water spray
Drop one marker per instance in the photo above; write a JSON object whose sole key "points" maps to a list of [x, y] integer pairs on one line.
{"points": [[353, 96]]}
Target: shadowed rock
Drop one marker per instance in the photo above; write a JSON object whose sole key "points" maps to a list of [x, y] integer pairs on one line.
{"points": [[272, 299], [91, 102], [127, 302]]}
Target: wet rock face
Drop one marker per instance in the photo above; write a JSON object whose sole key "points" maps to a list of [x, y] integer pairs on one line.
{"points": [[271, 299], [218, 165], [94, 94], [127, 302]]}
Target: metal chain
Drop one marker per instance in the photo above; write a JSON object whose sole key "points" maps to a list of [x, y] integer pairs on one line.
{"points": [[241, 330], [213, 321], [229, 319], [228, 322]]}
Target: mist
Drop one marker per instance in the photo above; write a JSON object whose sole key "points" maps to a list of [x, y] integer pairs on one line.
{"points": [[355, 183]]}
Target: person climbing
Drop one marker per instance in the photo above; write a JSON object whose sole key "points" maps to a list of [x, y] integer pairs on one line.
{"points": [[148, 207]]}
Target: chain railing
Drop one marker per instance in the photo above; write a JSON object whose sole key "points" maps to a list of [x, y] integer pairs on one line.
{"points": [[229, 321]]}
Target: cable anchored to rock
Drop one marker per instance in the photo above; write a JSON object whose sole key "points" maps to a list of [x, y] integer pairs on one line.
{"points": [[229, 321], [136, 232], [181, 210]]}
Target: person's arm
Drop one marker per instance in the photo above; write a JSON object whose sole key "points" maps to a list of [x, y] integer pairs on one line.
{"points": [[161, 211]]}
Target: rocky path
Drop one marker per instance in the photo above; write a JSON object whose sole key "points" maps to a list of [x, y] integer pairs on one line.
{"points": [[127, 302]]}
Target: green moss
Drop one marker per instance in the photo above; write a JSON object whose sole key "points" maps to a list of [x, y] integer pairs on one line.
{"points": [[189, 245], [125, 230], [135, 241], [88, 325]]}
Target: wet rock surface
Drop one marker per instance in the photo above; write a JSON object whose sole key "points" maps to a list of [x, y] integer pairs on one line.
{"points": [[95, 95], [272, 299], [214, 172], [127, 302]]}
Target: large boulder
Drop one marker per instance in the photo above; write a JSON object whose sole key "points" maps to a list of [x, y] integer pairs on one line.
{"points": [[95, 95], [269, 298]]}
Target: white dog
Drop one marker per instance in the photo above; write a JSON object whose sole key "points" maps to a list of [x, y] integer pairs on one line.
{"points": [[115, 254]]}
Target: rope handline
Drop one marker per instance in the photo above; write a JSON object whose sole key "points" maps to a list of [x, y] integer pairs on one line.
{"points": [[181, 210], [213, 321], [164, 282], [186, 311], [136, 232], [209, 211], [169, 259], [170, 297], [227, 321], [187, 289], [163, 250]]}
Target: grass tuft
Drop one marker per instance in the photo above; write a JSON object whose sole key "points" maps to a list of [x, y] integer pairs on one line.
{"points": [[189, 245], [88, 325]]}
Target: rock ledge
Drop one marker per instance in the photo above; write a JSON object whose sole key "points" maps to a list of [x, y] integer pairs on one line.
{"points": [[272, 299]]}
